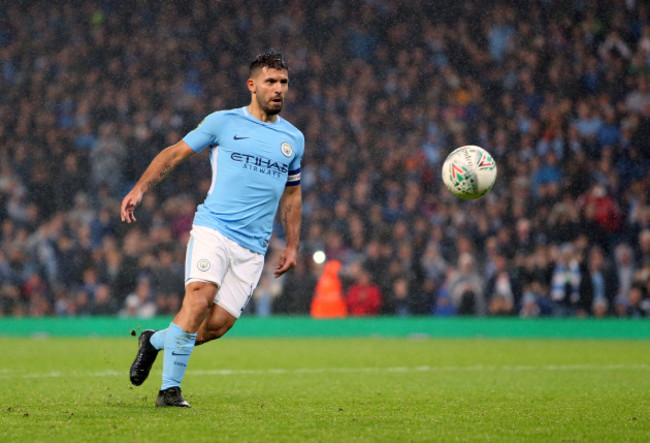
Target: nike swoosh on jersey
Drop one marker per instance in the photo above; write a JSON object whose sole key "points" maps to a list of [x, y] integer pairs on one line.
{"points": [[239, 138]]}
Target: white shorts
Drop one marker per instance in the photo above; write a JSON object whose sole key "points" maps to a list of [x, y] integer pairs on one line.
{"points": [[211, 257]]}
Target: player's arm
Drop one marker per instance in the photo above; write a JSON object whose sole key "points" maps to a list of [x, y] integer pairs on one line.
{"points": [[291, 217], [158, 169]]}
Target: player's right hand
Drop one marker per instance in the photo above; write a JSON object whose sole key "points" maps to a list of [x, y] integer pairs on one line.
{"points": [[129, 203]]}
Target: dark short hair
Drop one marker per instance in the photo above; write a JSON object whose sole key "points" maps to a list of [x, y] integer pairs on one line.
{"points": [[271, 60]]}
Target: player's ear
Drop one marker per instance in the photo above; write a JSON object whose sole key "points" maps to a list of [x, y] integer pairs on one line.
{"points": [[251, 85]]}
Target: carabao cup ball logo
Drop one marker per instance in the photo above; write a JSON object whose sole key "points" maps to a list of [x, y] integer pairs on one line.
{"points": [[469, 172], [287, 150], [203, 264]]}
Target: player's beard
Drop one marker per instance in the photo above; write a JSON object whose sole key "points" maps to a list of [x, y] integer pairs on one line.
{"points": [[268, 109]]}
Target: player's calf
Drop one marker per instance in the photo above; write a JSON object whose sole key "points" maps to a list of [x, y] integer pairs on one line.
{"points": [[215, 326]]}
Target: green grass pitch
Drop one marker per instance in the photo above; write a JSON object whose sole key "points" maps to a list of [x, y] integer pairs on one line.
{"points": [[337, 389]]}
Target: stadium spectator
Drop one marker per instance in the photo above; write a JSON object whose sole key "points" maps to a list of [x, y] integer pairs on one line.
{"points": [[443, 305], [624, 265], [297, 290], [103, 303], [399, 300], [570, 284], [501, 289], [140, 302], [363, 297], [603, 279], [637, 304], [466, 287]]}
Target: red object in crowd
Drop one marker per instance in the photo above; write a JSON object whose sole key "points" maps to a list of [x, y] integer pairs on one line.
{"points": [[363, 299], [328, 298], [603, 209]]}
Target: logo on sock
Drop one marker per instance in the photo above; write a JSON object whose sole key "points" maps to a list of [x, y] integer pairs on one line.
{"points": [[203, 264], [178, 354]]}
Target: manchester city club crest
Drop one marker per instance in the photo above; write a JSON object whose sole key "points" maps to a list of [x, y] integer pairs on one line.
{"points": [[203, 265], [287, 150]]}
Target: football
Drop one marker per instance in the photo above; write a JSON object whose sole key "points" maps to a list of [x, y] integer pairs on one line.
{"points": [[469, 172]]}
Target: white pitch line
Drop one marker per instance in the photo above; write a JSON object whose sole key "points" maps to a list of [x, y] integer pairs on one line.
{"points": [[5, 373]]}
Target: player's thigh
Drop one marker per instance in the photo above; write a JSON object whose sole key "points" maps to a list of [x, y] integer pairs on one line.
{"points": [[240, 281], [206, 259]]}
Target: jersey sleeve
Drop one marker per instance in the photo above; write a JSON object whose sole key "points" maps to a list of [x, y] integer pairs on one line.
{"points": [[293, 178], [206, 133]]}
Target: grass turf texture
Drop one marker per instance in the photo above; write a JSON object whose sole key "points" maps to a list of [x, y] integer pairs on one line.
{"points": [[357, 389]]}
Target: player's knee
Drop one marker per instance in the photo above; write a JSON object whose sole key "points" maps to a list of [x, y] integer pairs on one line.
{"points": [[198, 298], [195, 305]]}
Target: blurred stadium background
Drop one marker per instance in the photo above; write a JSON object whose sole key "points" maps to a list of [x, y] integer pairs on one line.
{"points": [[557, 90]]}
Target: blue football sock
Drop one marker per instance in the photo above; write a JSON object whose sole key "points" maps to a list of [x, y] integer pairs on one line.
{"points": [[157, 340], [178, 347]]}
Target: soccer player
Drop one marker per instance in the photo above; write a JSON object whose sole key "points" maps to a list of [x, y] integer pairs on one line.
{"points": [[255, 156]]}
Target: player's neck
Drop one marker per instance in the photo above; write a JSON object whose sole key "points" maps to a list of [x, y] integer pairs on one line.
{"points": [[259, 114]]}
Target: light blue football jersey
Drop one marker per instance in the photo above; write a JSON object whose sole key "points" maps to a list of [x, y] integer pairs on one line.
{"points": [[252, 162]]}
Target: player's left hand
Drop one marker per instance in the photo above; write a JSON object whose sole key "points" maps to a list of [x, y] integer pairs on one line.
{"points": [[287, 261]]}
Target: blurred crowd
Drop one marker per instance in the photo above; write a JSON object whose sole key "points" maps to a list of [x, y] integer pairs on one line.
{"points": [[557, 90]]}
